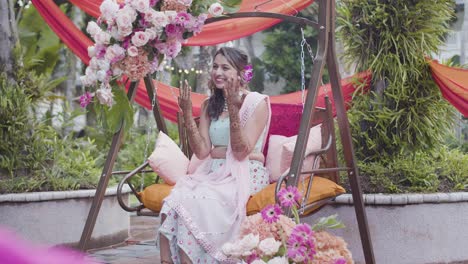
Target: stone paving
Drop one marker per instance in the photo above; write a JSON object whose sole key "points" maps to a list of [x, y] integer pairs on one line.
{"points": [[139, 248]]}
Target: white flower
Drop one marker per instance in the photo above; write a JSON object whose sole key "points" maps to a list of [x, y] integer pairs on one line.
{"points": [[159, 19], [125, 17], [93, 64], [105, 96], [132, 51], [125, 31], [141, 5], [216, 9], [278, 260], [258, 261], [93, 28], [185, 2], [140, 39], [108, 10], [115, 52], [170, 15], [91, 51], [249, 242], [232, 249], [102, 37], [101, 75], [269, 246], [153, 32], [86, 81], [103, 64]]}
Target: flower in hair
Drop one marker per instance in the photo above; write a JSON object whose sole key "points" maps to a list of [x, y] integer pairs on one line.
{"points": [[248, 73]]}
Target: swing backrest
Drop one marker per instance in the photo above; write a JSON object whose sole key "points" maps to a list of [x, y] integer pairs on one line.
{"points": [[286, 120]]}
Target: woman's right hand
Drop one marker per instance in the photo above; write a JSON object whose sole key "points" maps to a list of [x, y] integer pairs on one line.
{"points": [[185, 100]]}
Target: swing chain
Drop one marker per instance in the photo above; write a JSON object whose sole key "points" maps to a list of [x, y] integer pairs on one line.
{"points": [[149, 130]]}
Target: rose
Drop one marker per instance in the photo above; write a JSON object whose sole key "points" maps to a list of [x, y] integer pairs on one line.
{"points": [[140, 5], [132, 51], [269, 246], [105, 96], [170, 15], [159, 19], [153, 32], [114, 53], [102, 37], [216, 9], [93, 28], [125, 17], [140, 39], [108, 10], [125, 31], [249, 242]]}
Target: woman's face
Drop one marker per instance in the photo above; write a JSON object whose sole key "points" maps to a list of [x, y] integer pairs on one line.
{"points": [[222, 71]]}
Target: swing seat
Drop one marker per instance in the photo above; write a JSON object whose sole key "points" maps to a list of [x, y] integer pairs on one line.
{"points": [[285, 121]]}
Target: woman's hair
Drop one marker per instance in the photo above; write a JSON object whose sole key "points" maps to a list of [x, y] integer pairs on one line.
{"points": [[238, 59]]}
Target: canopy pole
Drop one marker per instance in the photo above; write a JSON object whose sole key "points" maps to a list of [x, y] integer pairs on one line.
{"points": [[326, 51]]}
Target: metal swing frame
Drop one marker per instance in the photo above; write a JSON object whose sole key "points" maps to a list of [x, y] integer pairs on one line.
{"points": [[326, 54]]}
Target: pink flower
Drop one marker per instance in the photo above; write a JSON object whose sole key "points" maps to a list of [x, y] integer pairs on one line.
{"points": [[85, 99], [270, 214], [340, 261], [174, 31], [183, 18], [108, 10], [102, 37], [216, 9], [140, 39], [289, 196], [153, 2], [303, 230], [141, 5], [132, 51], [248, 73]]}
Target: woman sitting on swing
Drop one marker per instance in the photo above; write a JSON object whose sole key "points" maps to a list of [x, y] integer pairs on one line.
{"points": [[205, 209]]}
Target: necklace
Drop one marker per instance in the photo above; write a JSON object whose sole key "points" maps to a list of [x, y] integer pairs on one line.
{"points": [[225, 107]]}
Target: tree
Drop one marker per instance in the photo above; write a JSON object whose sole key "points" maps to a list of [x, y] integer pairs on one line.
{"points": [[8, 37], [404, 111]]}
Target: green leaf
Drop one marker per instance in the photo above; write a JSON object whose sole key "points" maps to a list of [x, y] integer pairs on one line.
{"points": [[121, 113], [329, 222]]}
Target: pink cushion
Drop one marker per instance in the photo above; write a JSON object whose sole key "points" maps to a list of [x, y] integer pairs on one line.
{"points": [[168, 160], [281, 149]]}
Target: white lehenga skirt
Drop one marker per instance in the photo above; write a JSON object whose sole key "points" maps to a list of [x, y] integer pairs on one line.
{"points": [[179, 235]]}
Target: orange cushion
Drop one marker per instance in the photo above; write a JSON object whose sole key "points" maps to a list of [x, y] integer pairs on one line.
{"points": [[321, 189], [153, 195]]}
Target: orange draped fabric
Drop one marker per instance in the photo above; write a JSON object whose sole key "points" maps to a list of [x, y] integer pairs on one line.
{"points": [[237, 28], [453, 83]]}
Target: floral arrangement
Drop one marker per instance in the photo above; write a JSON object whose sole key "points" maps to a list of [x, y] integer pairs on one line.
{"points": [[134, 37], [271, 237]]}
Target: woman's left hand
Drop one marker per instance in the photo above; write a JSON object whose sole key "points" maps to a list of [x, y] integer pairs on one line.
{"points": [[233, 94]]}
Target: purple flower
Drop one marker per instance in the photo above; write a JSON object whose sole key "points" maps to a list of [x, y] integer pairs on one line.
{"points": [[303, 230], [289, 196], [85, 99], [153, 2], [248, 73], [270, 214], [340, 261]]}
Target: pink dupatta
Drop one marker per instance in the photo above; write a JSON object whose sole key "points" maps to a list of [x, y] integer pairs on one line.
{"points": [[213, 205]]}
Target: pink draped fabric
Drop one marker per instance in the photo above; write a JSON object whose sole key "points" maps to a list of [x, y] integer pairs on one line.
{"points": [[225, 190]]}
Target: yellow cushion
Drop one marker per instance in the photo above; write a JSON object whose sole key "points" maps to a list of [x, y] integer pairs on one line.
{"points": [[321, 189], [153, 195]]}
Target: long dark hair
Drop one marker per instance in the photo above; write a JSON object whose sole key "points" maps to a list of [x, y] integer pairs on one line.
{"points": [[238, 59]]}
